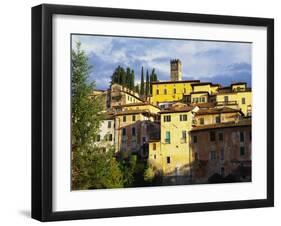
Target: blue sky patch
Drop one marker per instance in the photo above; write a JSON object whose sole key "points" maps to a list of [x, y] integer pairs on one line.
{"points": [[218, 62]]}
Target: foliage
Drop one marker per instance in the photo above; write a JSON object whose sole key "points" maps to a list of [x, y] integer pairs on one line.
{"points": [[124, 77], [149, 174], [91, 168], [142, 83], [147, 84], [153, 78]]}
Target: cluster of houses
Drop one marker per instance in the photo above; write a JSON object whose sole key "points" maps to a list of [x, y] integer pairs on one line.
{"points": [[184, 128]]}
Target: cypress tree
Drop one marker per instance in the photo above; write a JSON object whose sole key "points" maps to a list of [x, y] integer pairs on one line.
{"points": [[122, 77], [132, 84], [153, 78], [142, 83], [147, 84], [128, 78]]}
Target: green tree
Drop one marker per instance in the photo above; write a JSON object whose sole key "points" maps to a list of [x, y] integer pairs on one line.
{"points": [[153, 78], [149, 174], [91, 168], [142, 83], [132, 83], [128, 78], [147, 86]]}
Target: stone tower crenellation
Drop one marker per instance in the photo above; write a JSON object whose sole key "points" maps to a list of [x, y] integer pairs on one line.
{"points": [[176, 70]]}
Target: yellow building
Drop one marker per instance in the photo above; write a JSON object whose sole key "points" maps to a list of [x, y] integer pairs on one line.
{"points": [[170, 155], [238, 96], [209, 116], [205, 87], [171, 90]]}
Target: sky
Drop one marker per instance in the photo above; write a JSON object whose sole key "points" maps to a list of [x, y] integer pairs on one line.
{"points": [[208, 61]]}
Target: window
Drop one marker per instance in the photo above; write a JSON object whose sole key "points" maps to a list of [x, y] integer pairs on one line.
{"points": [[183, 117], [196, 100], [203, 99], [124, 118], [133, 118], [128, 98], [196, 156], [167, 118], [175, 91], [212, 136], [201, 121], [110, 137], [98, 138], [157, 91], [222, 154], [154, 156], [168, 137], [218, 119], [243, 100], [225, 98], [165, 91], [241, 137], [109, 124], [184, 90], [183, 136], [124, 131], [168, 160], [213, 155], [154, 146], [242, 150], [133, 131], [194, 139], [220, 136]]}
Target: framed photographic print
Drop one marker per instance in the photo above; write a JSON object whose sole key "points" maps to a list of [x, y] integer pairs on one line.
{"points": [[146, 112]]}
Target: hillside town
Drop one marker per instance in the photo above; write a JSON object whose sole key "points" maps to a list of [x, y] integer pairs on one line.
{"points": [[187, 131]]}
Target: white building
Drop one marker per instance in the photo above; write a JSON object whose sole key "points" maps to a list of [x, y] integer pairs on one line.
{"points": [[106, 137]]}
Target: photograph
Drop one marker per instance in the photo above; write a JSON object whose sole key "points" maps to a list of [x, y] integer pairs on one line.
{"points": [[150, 111]]}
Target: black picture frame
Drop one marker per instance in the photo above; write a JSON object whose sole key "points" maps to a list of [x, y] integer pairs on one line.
{"points": [[42, 111]]}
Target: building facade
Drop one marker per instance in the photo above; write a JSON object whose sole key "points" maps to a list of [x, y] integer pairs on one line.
{"points": [[106, 135], [221, 149], [170, 155]]}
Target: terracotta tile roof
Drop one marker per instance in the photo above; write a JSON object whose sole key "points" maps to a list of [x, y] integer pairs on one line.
{"points": [[203, 105], [216, 111], [176, 109], [245, 122], [202, 84], [129, 112], [135, 104]]}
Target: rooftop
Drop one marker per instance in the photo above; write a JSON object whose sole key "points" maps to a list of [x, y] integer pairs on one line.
{"points": [[207, 111], [176, 109], [244, 122], [129, 112], [136, 104], [168, 82]]}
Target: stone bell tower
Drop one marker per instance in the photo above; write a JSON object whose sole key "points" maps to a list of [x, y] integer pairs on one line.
{"points": [[176, 73]]}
